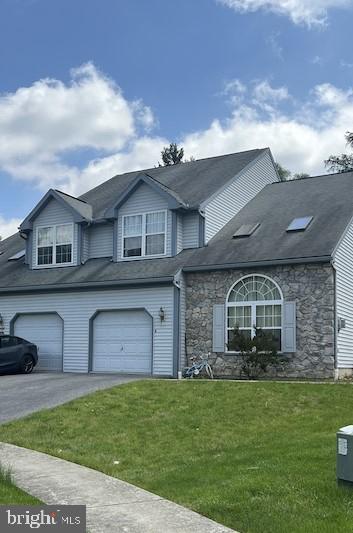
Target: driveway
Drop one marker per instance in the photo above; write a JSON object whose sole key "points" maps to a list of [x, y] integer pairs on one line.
{"points": [[21, 394]]}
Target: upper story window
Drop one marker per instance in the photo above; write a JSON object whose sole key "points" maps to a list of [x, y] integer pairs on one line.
{"points": [[144, 235], [54, 245]]}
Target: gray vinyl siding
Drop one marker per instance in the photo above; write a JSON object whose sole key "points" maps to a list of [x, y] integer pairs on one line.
{"points": [[53, 213], [144, 200], [100, 238], [191, 230], [343, 262], [179, 246], [76, 308], [233, 198]]}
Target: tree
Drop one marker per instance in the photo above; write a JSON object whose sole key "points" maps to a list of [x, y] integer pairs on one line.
{"points": [[284, 173], [171, 155], [300, 175], [343, 162]]}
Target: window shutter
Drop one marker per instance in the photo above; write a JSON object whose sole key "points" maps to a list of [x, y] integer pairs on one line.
{"points": [[218, 328], [289, 327]]}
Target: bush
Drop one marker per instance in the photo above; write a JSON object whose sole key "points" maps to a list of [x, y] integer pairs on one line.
{"points": [[258, 354]]}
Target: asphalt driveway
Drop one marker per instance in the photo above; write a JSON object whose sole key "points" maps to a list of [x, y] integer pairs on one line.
{"points": [[21, 394]]}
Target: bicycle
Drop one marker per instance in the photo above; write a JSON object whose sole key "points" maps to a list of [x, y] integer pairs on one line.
{"points": [[198, 367]]}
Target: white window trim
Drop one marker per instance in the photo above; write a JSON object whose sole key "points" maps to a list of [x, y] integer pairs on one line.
{"points": [[54, 263], [144, 234], [253, 305]]}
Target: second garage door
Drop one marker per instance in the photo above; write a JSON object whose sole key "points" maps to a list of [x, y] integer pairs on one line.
{"points": [[46, 331], [122, 342]]}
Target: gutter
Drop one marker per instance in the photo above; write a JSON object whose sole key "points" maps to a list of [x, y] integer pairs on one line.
{"points": [[249, 264], [165, 280]]}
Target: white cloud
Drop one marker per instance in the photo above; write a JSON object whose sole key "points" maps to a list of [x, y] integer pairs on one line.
{"points": [[143, 153], [45, 127], [301, 139], [263, 92], [43, 123], [8, 226], [309, 12]]}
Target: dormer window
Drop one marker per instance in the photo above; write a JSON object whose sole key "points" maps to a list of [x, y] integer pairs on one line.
{"points": [[54, 245], [144, 235]]}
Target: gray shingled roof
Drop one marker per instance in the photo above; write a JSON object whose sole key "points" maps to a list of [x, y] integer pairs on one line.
{"points": [[327, 198], [82, 207], [192, 182], [15, 274]]}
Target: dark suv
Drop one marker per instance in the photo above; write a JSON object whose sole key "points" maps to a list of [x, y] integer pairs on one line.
{"points": [[17, 355]]}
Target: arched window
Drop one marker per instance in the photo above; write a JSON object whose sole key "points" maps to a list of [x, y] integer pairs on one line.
{"points": [[255, 301]]}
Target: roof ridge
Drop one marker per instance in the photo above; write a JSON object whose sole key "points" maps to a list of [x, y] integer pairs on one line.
{"points": [[172, 192], [146, 170], [70, 196]]}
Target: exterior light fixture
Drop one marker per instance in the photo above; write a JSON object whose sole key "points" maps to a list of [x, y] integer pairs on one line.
{"points": [[162, 314]]}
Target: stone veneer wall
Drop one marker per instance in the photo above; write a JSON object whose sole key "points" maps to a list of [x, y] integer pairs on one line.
{"points": [[311, 286]]}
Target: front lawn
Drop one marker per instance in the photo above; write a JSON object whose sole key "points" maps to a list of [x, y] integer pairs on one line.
{"points": [[11, 494], [258, 457]]}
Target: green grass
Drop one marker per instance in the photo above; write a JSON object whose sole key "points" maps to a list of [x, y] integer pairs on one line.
{"points": [[9, 493], [258, 457]]}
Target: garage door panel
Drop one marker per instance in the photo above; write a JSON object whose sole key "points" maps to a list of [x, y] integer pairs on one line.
{"points": [[46, 331], [122, 342]]}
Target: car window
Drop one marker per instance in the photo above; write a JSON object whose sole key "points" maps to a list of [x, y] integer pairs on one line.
{"points": [[8, 342]]}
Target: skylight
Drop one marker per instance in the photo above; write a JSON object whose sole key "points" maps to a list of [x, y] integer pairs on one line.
{"points": [[245, 230], [299, 224], [17, 256]]}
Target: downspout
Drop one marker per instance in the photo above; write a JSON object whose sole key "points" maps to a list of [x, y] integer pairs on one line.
{"points": [[202, 228]]}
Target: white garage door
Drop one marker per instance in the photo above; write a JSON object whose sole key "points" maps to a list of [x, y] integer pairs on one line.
{"points": [[122, 342], [46, 331]]}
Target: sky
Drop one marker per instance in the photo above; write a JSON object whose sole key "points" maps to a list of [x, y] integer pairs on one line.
{"points": [[94, 88]]}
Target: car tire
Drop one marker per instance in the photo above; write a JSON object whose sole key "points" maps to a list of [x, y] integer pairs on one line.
{"points": [[27, 364]]}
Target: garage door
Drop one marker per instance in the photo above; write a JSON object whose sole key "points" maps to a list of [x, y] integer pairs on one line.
{"points": [[122, 342], [46, 331]]}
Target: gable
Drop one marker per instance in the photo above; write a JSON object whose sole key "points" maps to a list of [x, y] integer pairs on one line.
{"points": [[144, 198], [80, 210], [53, 213]]}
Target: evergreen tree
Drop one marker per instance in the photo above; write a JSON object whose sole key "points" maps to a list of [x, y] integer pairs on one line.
{"points": [[171, 155]]}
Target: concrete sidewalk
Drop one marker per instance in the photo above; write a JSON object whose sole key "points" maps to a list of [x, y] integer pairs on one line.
{"points": [[112, 505]]}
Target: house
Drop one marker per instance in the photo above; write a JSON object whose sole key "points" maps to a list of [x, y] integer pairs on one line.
{"points": [[154, 266]]}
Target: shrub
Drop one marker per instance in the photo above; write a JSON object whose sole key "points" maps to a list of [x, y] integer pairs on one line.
{"points": [[258, 354]]}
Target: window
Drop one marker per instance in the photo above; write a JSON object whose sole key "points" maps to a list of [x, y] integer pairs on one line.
{"points": [[54, 245], [17, 256], [144, 235], [8, 342], [299, 224], [255, 301], [245, 230]]}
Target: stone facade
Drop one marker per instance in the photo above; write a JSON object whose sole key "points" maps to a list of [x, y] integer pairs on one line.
{"points": [[311, 286]]}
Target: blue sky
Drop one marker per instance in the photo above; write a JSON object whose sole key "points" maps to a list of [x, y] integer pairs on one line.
{"points": [[92, 88]]}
